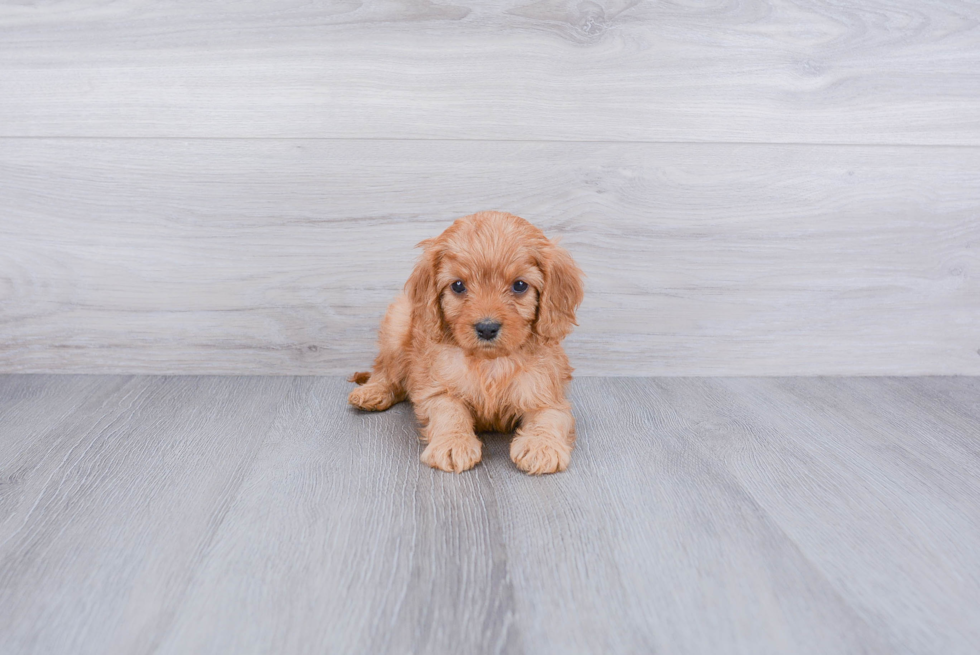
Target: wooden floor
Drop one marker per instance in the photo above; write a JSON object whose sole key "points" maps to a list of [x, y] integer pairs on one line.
{"points": [[261, 514]]}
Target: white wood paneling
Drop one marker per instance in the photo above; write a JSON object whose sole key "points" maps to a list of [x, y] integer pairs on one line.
{"points": [[236, 187], [882, 71], [279, 256]]}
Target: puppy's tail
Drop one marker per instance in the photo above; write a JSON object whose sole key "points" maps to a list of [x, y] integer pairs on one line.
{"points": [[359, 377]]}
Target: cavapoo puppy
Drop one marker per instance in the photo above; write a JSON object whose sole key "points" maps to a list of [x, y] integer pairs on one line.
{"points": [[475, 343]]}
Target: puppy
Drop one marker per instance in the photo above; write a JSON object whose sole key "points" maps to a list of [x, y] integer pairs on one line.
{"points": [[475, 343]]}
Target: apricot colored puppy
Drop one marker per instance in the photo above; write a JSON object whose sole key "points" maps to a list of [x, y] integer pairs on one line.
{"points": [[475, 343]]}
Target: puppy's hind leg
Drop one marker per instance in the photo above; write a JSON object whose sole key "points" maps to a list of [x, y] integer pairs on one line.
{"points": [[376, 393], [385, 384]]}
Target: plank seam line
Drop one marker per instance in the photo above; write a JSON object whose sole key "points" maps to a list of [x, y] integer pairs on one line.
{"points": [[448, 140]]}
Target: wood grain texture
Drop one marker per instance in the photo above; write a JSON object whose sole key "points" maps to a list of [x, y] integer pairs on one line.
{"points": [[279, 256], [889, 71], [248, 515], [140, 475], [811, 452]]}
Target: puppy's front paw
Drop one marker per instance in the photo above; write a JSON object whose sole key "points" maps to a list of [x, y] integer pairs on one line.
{"points": [[537, 455], [371, 398], [453, 455]]}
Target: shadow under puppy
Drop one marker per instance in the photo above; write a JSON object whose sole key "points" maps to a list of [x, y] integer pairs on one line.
{"points": [[475, 343]]}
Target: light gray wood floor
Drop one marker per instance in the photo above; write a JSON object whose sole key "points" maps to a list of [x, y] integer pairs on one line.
{"points": [[261, 514]]}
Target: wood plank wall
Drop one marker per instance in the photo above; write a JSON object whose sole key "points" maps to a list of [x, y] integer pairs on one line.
{"points": [[753, 188]]}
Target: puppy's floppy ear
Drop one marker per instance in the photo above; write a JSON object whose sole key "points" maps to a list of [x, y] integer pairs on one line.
{"points": [[422, 291], [561, 294]]}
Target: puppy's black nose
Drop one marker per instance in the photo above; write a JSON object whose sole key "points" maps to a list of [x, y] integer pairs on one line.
{"points": [[487, 330]]}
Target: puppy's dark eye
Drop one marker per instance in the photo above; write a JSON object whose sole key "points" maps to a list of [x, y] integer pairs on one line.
{"points": [[520, 286], [458, 286]]}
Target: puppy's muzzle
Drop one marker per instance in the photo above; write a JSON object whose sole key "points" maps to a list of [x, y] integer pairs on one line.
{"points": [[487, 329]]}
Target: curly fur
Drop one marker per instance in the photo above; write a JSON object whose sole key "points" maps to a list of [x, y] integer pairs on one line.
{"points": [[429, 351]]}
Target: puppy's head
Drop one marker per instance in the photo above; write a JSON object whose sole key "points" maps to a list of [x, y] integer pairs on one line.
{"points": [[491, 281]]}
